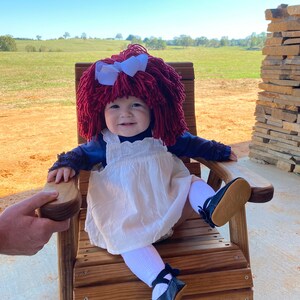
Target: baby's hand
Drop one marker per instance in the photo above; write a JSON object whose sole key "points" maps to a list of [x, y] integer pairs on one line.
{"points": [[57, 175], [233, 156]]}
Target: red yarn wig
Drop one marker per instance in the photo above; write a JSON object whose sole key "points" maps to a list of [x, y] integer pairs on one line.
{"points": [[159, 86]]}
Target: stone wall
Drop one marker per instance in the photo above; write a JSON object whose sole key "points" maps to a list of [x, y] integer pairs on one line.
{"points": [[276, 134]]}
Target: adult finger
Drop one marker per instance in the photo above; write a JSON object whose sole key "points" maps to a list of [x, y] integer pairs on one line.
{"points": [[55, 226], [37, 200]]}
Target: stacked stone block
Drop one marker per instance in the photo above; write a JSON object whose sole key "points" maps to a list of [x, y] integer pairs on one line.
{"points": [[276, 134]]}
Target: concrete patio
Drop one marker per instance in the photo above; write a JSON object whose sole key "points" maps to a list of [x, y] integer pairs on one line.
{"points": [[274, 234]]}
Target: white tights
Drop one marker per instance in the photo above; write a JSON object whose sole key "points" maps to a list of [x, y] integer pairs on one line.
{"points": [[146, 262], [199, 192]]}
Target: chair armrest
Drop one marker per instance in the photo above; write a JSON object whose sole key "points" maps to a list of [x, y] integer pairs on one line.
{"points": [[66, 205], [262, 189]]}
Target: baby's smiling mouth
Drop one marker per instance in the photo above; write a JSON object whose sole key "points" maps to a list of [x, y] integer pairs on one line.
{"points": [[126, 124]]}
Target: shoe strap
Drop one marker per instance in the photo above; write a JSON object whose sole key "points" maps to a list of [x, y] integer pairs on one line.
{"points": [[160, 277], [205, 216], [206, 203]]}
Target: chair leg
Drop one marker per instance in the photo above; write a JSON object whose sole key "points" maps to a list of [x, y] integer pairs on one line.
{"points": [[67, 248], [239, 233]]}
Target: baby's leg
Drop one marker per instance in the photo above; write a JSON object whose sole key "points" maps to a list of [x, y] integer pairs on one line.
{"points": [[200, 191], [146, 264], [217, 208]]}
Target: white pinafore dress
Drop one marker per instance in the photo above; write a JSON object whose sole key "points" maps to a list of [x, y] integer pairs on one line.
{"points": [[138, 197]]}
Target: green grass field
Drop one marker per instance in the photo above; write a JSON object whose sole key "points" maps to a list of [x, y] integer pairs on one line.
{"points": [[72, 45], [28, 72]]}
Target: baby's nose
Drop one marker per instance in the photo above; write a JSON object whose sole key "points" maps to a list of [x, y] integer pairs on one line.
{"points": [[126, 113]]}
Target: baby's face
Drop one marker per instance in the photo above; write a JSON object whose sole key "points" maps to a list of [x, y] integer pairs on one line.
{"points": [[127, 117]]}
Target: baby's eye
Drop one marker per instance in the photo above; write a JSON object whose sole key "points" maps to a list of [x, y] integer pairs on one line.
{"points": [[114, 106], [136, 104]]}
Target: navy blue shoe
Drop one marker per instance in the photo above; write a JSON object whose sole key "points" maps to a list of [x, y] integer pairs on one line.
{"points": [[220, 208], [175, 286]]}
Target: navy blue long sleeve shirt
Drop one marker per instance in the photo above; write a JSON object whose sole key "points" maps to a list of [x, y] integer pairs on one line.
{"points": [[85, 156]]}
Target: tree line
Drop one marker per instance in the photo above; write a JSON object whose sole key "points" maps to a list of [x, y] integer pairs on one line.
{"points": [[252, 42]]}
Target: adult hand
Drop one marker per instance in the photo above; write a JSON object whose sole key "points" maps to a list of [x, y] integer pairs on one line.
{"points": [[22, 232]]}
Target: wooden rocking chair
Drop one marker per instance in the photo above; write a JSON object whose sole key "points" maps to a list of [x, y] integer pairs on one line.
{"points": [[211, 267]]}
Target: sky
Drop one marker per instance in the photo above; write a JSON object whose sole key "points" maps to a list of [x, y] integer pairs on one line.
{"points": [[164, 19]]}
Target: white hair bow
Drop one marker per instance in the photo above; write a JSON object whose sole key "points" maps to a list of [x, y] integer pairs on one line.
{"points": [[107, 74]]}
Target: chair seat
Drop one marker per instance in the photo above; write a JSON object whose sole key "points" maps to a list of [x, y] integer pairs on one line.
{"points": [[208, 263]]}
